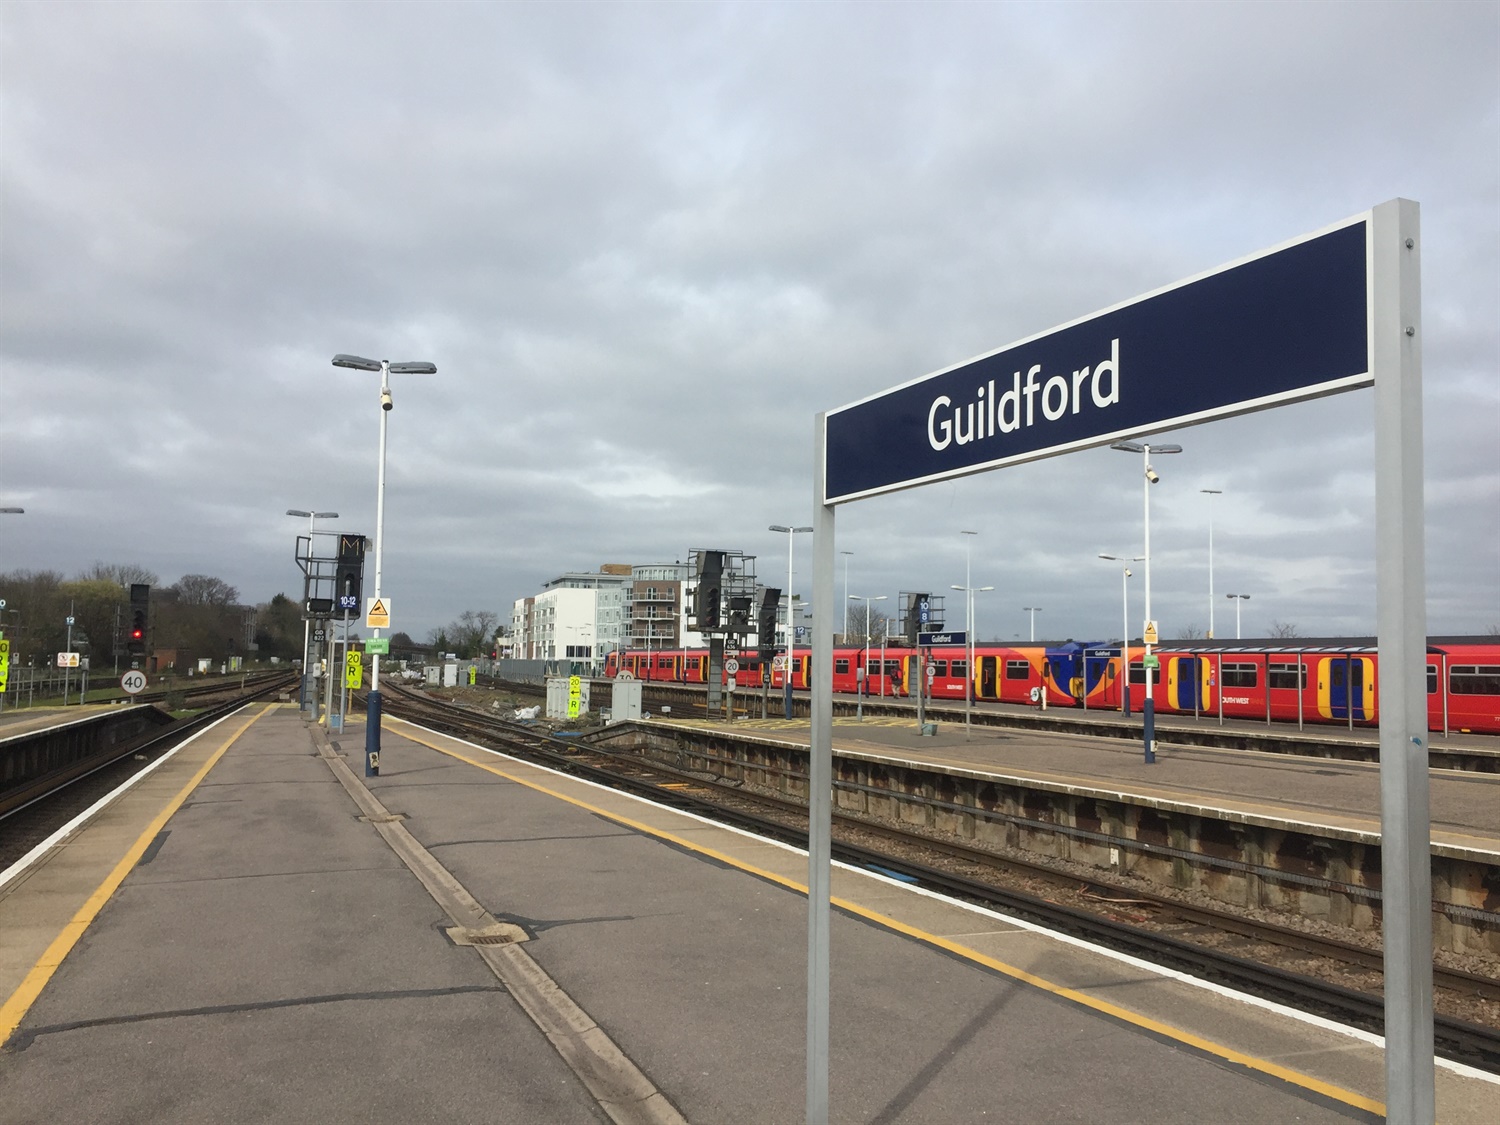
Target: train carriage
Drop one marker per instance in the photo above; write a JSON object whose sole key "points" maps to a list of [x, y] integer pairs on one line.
{"points": [[1333, 681]]}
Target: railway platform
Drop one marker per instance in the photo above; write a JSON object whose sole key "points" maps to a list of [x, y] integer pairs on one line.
{"points": [[255, 931], [1334, 794]]}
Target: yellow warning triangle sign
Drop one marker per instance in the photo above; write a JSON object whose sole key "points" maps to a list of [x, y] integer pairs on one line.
{"points": [[378, 613]]}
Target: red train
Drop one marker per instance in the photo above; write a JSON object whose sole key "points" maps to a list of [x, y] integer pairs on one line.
{"points": [[1316, 681]]}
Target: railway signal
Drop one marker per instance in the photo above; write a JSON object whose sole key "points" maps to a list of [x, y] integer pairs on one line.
{"points": [[349, 572], [140, 606], [707, 594], [765, 627]]}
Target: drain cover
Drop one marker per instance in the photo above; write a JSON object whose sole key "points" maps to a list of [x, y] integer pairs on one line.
{"points": [[501, 933]]}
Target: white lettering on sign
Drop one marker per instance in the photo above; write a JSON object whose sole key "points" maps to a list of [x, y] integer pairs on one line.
{"points": [[987, 415], [1236, 699]]}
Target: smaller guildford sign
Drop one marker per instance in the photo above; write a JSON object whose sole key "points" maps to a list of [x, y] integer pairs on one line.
{"points": [[1289, 323]]}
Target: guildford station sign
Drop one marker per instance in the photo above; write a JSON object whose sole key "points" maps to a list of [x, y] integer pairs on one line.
{"points": [[1290, 324], [1335, 310]]}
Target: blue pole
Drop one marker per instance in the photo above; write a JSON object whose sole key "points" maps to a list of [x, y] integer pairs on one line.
{"points": [[1148, 710], [372, 736]]}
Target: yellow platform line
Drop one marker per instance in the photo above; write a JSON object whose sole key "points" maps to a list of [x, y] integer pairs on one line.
{"points": [[21, 1000], [1104, 1007]]}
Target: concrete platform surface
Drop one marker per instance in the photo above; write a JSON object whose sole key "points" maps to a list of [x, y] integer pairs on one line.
{"points": [[245, 936], [1465, 807]]}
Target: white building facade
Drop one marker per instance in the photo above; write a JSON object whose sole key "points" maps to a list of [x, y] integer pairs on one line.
{"points": [[580, 616]]}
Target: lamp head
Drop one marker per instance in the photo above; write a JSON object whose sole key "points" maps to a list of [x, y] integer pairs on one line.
{"points": [[358, 362]]}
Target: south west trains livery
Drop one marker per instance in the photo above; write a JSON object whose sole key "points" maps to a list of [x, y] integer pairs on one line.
{"points": [[1316, 681]]}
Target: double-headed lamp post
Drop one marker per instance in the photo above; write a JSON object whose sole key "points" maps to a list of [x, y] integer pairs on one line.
{"points": [[1148, 707], [386, 369], [862, 676], [1125, 634], [969, 592], [1237, 599], [846, 555], [786, 670], [311, 518], [1033, 610], [1211, 492]]}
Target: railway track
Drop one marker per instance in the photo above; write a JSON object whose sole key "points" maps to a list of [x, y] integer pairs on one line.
{"points": [[1244, 953]]}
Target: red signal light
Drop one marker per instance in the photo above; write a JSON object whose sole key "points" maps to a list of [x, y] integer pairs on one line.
{"points": [[136, 634]]}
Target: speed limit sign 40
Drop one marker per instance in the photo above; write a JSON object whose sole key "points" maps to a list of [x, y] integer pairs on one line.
{"points": [[133, 682]]}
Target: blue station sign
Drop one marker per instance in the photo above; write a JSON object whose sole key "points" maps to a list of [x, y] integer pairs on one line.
{"points": [[927, 640], [1289, 323]]}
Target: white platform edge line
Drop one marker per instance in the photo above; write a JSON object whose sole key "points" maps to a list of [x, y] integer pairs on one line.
{"points": [[1124, 958], [21, 865]]}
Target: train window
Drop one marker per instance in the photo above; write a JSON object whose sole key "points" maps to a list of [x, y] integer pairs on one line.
{"points": [[841, 667], [1474, 679], [893, 668], [1285, 676], [664, 662], [1018, 669], [939, 667], [1432, 679], [1138, 674], [1240, 675], [958, 668]]}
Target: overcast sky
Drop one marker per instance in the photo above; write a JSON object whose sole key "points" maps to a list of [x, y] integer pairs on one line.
{"points": [[645, 244]]}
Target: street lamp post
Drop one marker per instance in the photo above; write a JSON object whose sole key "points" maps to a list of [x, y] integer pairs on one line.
{"points": [[1237, 599], [1033, 610], [846, 555], [862, 674], [19, 512], [1125, 635], [969, 592], [311, 517], [386, 368], [1148, 707], [786, 671], [1211, 492]]}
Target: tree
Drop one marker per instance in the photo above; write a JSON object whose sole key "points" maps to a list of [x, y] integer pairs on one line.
{"points": [[203, 589], [278, 628], [880, 625], [197, 617], [1190, 633], [121, 574], [34, 614], [1283, 629]]}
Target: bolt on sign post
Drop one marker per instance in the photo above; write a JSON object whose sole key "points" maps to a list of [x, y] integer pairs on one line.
{"points": [[1332, 311]]}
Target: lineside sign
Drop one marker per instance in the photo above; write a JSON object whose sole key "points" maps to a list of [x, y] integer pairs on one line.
{"points": [[1289, 323]]}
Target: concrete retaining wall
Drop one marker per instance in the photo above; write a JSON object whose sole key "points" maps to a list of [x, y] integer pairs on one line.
{"points": [[1236, 859]]}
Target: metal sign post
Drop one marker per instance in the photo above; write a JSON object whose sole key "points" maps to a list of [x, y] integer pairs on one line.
{"points": [[1333, 311], [1401, 625]]}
